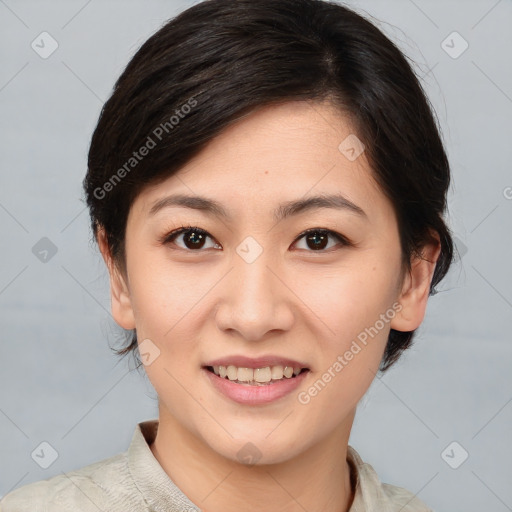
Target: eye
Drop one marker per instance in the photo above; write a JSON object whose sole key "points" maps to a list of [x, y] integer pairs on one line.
{"points": [[193, 237], [317, 238]]}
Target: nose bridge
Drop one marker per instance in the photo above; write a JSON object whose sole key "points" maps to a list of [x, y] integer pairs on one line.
{"points": [[255, 300], [254, 282]]}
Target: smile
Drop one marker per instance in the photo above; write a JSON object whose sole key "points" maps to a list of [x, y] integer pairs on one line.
{"points": [[256, 376], [255, 386]]}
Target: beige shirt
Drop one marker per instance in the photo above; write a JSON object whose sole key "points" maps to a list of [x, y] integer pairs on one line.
{"points": [[134, 481]]}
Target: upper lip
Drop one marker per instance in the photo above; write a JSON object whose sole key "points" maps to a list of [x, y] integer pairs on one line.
{"points": [[256, 362]]}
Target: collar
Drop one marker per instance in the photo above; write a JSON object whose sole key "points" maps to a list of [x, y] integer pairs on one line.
{"points": [[162, 494], [157, 489], [369, 494]]}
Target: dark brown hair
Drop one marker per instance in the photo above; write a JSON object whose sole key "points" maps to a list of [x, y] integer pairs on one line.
{"points": [[221, 59]]}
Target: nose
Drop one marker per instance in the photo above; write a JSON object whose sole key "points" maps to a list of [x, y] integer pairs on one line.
{"points": [[255, 299]]}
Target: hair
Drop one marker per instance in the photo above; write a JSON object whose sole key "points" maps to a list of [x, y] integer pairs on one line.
{"points": [[218, 61]]}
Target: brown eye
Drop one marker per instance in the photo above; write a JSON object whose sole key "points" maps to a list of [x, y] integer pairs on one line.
{"points": [[317, 239], [194, 238]]}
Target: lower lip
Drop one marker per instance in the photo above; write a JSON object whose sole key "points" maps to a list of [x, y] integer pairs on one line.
{"points": [[255, 395]]}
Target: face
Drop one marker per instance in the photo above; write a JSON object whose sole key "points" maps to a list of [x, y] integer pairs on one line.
{"points": [[249, 287]]}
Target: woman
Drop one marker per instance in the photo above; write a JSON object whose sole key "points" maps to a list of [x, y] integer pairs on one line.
{"points": [[267, 187]]}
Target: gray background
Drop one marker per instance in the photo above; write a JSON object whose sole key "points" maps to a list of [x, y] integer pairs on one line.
{"points": [[61, 384]]}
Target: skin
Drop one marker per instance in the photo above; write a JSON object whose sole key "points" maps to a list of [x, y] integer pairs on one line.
{"points": [[196, 305]]}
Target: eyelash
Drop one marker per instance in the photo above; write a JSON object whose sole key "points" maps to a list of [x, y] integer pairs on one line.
{"points": [[169, 237]]}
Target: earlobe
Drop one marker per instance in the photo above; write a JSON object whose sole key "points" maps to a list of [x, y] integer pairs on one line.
{"points": [[122, 310], [416, 288]]}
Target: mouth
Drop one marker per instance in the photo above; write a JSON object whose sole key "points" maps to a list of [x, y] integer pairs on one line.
{"points": [[263, 376], [256, 381]]}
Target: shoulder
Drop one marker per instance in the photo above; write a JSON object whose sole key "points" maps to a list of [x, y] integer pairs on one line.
{"points": [[373, 495], [104, 483], [404, 500]]}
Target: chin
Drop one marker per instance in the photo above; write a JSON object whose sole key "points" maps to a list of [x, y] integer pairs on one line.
{"points": [[256, 450]]}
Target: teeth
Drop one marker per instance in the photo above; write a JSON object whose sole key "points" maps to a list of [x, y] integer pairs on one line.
{"points": [[256, 375], [262, 374], [288, 371], [276, 372], [231, 372], [245, 374]]}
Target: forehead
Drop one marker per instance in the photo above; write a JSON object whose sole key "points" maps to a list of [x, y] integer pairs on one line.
{"points": [[272, 157]]}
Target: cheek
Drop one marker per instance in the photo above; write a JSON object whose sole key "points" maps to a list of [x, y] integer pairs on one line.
{"points": [[355, 305], [343, 301], [165, 316], [165, 296], [348, 360]]}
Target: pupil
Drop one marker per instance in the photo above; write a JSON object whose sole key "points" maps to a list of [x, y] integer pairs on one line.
{"points": [[196, 238], [319, 244]]}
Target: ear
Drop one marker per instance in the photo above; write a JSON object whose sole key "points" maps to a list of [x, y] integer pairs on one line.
{"points": [[122, 310], [416, 287]]}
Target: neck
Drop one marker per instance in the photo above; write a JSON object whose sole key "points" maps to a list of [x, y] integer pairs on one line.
{"points": [[319, 478]]}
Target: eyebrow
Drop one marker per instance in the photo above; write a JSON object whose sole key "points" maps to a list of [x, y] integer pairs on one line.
{"points": [[283, 211]]}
